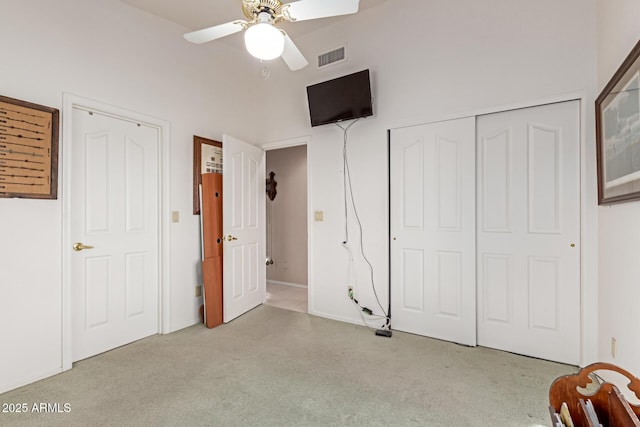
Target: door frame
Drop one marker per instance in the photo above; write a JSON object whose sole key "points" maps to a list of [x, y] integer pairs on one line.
{"points": [[69, 102], [588, 207], [294, 142]]}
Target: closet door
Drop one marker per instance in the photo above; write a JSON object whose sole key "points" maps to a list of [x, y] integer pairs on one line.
{"points": [[528, 249], [115, 216], [432, 193]]}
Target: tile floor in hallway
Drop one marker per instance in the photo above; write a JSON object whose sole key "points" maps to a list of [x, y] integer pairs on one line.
{"points": [[288, 297]]}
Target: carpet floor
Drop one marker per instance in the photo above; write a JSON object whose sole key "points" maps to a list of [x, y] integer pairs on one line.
{"points": [[274, 367]]}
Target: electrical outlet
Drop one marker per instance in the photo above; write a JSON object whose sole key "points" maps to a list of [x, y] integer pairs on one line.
{"points": [[198, 291], [613, 347]]}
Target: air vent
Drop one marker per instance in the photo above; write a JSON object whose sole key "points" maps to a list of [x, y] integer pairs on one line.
{"points": [[332, 57]]}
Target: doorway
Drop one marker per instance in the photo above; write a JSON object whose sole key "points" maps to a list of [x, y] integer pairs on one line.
{"points": [[286, 228]]}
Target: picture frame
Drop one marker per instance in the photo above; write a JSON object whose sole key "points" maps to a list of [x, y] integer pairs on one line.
{"points": [[207, 158], [618, 134], [28, 150]]}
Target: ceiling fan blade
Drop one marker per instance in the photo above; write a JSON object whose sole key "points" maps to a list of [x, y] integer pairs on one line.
{"points": [[303, 10], [292, 56], [213, 33]]}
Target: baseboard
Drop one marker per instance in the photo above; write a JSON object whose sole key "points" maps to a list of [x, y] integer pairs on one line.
{"points": [[337, 318], [28, 380], [295, 285]]}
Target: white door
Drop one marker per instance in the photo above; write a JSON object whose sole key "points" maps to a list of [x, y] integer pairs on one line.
{"points": [[433, 282], [243, 223], [529, 231], [114, 210]]}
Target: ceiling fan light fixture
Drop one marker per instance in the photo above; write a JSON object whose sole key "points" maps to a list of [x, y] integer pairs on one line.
{"points": [[264, 41]]}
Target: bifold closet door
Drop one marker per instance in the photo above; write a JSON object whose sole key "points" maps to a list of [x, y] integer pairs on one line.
{"points": [[432, 194], [529, 231]]}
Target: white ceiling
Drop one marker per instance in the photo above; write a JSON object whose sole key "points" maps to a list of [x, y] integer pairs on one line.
{"points": [[198, 14]]}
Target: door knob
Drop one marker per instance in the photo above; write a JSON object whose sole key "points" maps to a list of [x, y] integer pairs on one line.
{"points": [[230, 238], [79, 246]]}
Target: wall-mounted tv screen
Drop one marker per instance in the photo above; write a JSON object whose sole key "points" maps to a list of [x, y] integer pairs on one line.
{"points": [[344, 98]]}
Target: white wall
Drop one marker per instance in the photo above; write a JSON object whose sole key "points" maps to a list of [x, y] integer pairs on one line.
{"points": [[619, 233], [287, 216], [104, 50], [429, 60]]}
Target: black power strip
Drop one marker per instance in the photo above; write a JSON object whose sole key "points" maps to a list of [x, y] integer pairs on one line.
{"points": [[383, 333]]}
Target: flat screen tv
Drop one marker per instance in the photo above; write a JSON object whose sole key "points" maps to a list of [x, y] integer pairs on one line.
{"points": [[345, 98]]}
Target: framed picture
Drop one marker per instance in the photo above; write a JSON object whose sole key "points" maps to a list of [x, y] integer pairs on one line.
{"points": [[618, 134], [28, 150], [207, 158]]}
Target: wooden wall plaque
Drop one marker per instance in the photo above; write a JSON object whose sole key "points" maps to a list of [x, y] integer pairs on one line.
{"points": [[28, 150]]}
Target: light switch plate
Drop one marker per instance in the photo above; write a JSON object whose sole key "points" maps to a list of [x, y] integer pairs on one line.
{"points": [[175, 216]]}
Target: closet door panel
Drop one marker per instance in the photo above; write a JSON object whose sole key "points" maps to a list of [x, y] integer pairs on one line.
{"points": [[433, 230], [528, 244]]}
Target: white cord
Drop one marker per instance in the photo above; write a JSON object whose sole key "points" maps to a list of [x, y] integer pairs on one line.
{"points": [[364, 321], [347, 186]]}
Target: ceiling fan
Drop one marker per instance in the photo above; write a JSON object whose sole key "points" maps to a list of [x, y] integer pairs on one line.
{"points": [[263, 39]]}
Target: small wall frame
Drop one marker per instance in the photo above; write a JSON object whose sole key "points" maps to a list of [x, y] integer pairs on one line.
{"points": [[207, 158], [28, 150], [618, 134]]}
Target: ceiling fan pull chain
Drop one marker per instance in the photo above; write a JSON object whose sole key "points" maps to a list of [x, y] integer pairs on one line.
{"points": [[285, 13]]}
